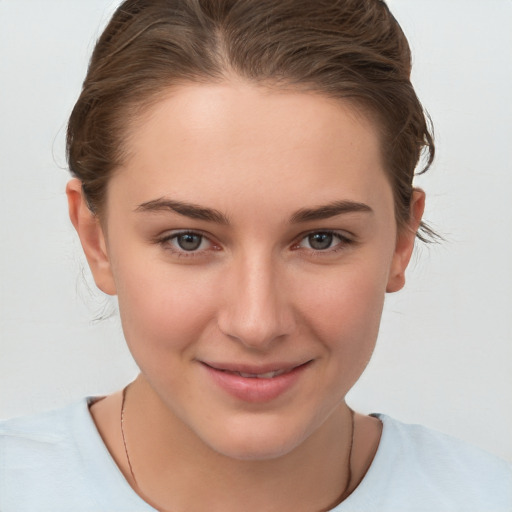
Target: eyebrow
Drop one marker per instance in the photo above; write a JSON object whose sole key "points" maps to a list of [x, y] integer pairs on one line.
{"points": [[329, 210], [190, 210], [194, 211]]}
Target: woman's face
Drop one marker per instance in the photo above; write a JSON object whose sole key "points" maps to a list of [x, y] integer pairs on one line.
{"points": [[250, 237]]}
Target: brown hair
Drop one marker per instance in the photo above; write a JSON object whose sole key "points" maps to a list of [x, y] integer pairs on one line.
{"points": [[353, 49]]}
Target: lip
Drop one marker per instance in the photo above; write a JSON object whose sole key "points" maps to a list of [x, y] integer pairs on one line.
{"points": [[255, 389]]}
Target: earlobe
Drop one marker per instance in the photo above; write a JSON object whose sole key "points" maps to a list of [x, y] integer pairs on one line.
{"points": [[405, 243], [91, 236]]}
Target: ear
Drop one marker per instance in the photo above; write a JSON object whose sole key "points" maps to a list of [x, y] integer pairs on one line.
{"points": [[91, 235], [405, 243]]}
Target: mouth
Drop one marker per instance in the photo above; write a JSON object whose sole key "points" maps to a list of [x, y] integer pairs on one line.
{"points": [[251, 383], [251, 372], [266, 375]]}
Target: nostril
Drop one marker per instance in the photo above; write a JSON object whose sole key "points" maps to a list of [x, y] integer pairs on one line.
{"points": [[255, 332]]}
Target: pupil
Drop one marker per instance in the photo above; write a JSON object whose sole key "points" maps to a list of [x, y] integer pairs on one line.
{"points": [[320, 241], [189, 241]]}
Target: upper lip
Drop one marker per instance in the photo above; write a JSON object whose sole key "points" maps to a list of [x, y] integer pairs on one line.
{"points": [[255, 369]]}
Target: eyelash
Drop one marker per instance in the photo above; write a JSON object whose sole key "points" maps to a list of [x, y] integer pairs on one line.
{"points": [[165, 242], [343, 243]]}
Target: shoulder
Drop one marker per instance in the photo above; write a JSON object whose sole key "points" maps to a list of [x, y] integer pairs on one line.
{"points": [[34, 451], [37, 436], [432, 449], [56, 461], [417, 468], [45, 426]]}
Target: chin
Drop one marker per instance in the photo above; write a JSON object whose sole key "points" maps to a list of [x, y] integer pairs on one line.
{"points": [[254, 449], [255, 442]]}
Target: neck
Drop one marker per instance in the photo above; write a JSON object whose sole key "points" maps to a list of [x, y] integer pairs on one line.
{"points": [[174, 470]]}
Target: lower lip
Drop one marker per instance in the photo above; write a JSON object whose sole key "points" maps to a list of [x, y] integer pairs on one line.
{"points": [[255, 390]]}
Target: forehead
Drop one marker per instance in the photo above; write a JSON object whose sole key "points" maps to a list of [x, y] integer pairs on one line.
{"points": [[235, 140]]}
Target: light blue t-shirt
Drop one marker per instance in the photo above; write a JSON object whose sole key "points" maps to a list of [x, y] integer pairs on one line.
{"points": [[57, 462]]}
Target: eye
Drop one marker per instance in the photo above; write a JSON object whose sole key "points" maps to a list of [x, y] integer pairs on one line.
{"points": [[188, 241], [323, 241], [184, 242], [320, 241]]}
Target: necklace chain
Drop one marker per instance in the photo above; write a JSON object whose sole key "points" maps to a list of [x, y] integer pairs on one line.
{"points": [[124, 439], [343, 495]]}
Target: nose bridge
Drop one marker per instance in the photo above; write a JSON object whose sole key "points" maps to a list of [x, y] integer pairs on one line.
{"points": [[257, 309]]}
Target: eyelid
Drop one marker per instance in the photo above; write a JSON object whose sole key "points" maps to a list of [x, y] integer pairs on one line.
{"points": [[345, 239], [167, 236]]}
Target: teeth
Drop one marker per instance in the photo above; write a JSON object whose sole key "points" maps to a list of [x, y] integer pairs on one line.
{"points": [[267, 375]]}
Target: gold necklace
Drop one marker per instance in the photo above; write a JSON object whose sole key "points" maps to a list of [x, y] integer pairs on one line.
{"points": [[342, 497]]}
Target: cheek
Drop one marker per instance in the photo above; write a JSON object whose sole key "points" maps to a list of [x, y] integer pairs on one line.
{"points": [[348, 298], [162, 307], [344, 312]]}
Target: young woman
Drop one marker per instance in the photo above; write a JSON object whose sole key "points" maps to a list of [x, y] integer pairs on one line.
{"points": [[243, 183]]}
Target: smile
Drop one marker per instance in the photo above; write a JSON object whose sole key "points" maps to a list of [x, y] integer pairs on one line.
{"points": [[255, 384], [267, 375]]}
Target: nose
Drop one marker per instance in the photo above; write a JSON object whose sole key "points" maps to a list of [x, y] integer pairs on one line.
{"points": [[257, 307]]}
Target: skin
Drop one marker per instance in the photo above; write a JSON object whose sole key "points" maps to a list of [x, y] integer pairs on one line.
{"points": [[255, 292]]}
